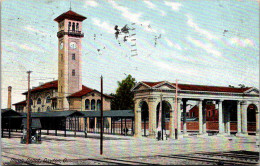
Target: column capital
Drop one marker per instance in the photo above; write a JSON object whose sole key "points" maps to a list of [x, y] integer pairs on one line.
{"points": [[220, 100], [184, 100], [201, 99], [238, 102], [179, 100], [244, 102]]}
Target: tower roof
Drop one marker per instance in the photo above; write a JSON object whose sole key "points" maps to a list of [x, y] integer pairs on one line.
{"points": [[70, 15]]}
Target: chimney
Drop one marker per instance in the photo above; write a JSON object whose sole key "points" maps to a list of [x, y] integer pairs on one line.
{"points": [[9, 97]]}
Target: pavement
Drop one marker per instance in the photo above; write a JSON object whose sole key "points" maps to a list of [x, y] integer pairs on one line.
{"points": [[119, 149]]}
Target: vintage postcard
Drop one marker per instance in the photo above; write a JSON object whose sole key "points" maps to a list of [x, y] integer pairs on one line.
{"points": [[135, 82]]}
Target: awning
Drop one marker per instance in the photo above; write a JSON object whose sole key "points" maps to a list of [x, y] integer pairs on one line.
{"points": [[112, 113], [36, 123], [54, 114]]}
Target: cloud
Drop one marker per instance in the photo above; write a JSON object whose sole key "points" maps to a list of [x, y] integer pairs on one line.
{"points": [[132, 17], [187, 70], [91, 3], [209, 48], [153, 6], [30, 47], [174, 5], [201, 31], [32, 29], [150, 4], [103, 25], [242, 42], [171, 44]]}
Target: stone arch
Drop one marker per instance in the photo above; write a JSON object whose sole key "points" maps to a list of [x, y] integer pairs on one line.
{"points": [[166, 109], [144, 115], [251, 117]]}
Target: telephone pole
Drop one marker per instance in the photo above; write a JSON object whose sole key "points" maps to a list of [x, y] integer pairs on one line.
{"points": [[28, 109], [176, 111], [101, 133]]}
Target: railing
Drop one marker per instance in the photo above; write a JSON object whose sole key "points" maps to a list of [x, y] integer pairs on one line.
{"points": [[70, 32]]}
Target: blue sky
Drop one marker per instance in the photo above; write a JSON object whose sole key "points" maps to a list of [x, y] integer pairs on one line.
{"points": [[197, 42]]}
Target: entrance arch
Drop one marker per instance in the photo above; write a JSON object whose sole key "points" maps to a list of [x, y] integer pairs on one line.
{"points": [[251, 118], [144, 116], [166, 107]]}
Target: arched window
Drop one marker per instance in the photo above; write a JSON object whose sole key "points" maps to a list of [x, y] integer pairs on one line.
{"points": [[69, 26], [48, 109], [48, 99], [73, 26], [39, 109], [77, 27], [31, 102], [93, 103], [87, 104], [39, 101], [73, 57], [73, 72], [98, 105]]}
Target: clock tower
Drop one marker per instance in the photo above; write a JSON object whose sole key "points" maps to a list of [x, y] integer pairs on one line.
{"points": [[69, 56]]}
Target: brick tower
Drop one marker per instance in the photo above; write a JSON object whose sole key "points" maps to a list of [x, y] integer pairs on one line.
{"points": [[69, 53]]}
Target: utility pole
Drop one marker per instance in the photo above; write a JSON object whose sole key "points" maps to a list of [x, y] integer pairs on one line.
{"points": [[28, 109], [159, 128], [161, 109], [176, 112], [101, 133]]}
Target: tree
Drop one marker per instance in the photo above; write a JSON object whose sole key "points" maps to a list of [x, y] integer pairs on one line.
{"points": [[124, 98]]}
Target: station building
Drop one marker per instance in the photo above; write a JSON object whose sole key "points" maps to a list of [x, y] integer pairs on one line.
{"points": [[237, 109], [225, 110]]}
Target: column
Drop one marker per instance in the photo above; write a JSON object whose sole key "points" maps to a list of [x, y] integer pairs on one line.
{"points": [[152, 117], [171, 125], [200, 117], [95, 126], [220, 117], [138, 121], [257, 121], [184, 117], [228, 123], [179, 117], [204, 129], [238, 118], [244, 117]]}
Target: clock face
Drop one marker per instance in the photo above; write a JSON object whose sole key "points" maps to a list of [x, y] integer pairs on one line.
{"points": [[73, 45], [61, 45]]}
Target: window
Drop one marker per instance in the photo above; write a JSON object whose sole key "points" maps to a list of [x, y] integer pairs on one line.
{"points": [[69, 26], [39, 109], [60, 88], [73, 26], [61, 73], [87, 104], [54, 105], [48, 99], [93, 103], [31, 102], [98, 105], [73, 72], [73, 57], [39, 101], [61, 57], [77, 27]]}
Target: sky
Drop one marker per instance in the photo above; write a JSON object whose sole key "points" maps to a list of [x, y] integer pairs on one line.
{"points": [[195, 41]]}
